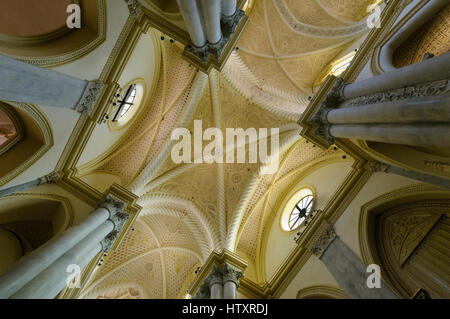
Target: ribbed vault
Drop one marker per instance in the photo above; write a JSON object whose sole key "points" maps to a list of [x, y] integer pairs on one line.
{"points": [[191, 209]]}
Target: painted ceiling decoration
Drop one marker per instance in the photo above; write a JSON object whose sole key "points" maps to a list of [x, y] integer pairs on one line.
{"points": [[189, 210]]}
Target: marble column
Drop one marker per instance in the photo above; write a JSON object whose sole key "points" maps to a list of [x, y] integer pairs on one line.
{"points": [[40, 259], [231, 278], [428, 70], [52, 280], [192, 19], [26, 83], [211, 13], [424, 135], [51, 178], [422, 109], [229, 7], [376, 167], [348, 270], [215, 282], [221, 283]]}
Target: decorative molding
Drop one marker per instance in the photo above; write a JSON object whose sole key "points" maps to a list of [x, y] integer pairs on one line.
{"points": [[320, 291], [51, 178], [441, 87], [43, 123], [60, 59], [324, 240], [297, 26], [89, 97], [15, 119]]}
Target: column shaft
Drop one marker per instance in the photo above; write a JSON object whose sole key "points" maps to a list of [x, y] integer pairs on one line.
{"points": [[216, 291], [229, 7], [350, 272], [428, 109], [425, 135], [33, 264], [211, 12], [23, 82], [52, 280], [18, 188], [229, 290], [429, 70], [192, 19]]}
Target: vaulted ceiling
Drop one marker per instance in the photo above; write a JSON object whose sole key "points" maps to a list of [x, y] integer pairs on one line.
{"points": [[191, 209]]}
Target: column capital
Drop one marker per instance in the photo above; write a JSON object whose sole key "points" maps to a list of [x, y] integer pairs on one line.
{"points": [[376, 167], [112, 204], [230, 24], [89, 97], [324, 239], [231, 274], [134, 7], [220, 267], [51, 178], [336, 95], [117, 217], [215, 277]]}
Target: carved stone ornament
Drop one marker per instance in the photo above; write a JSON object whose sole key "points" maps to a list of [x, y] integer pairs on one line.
{"points": [[203, 292], [230, 24], [89, 97], [215, 277], [323, 241], [376, 167], [231, 274], [334, 98], [336, 95], [117, 217], [436, 88], [113, 205], [134, 7], [51, 178]]}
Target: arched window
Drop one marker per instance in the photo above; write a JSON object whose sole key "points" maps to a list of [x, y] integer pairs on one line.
{"points": [[297, 209]]}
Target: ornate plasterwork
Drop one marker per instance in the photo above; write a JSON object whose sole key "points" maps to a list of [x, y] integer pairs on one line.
{"points": [[191, 210], [288, 44]]}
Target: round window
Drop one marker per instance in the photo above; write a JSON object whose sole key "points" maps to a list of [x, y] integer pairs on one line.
{"points": [[126, 104], [297, 209]]}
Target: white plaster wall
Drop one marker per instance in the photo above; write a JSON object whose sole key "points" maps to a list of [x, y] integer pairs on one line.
{"points": [[378, 184], [313, 273], [325, 181], [142, 64]]}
